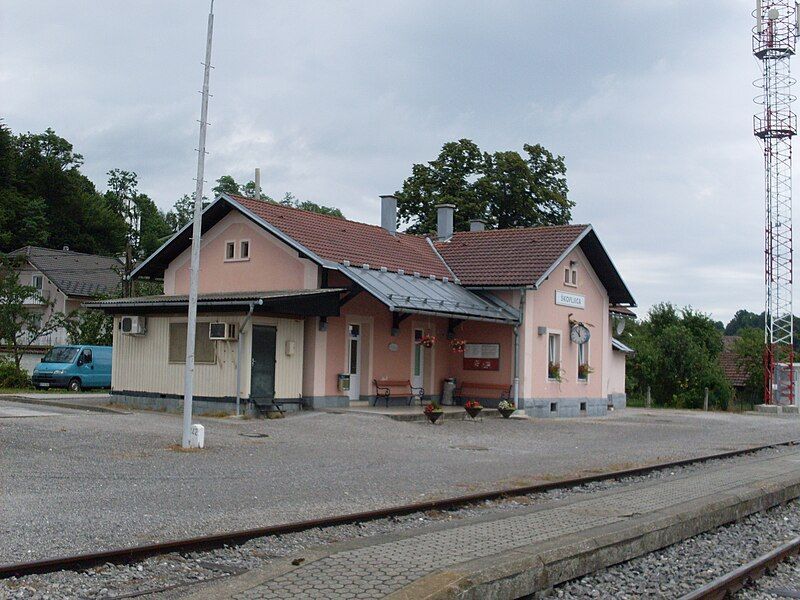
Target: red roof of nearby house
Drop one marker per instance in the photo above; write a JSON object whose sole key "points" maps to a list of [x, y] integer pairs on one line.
{"points": [[728, 359], [338, 240], [621, 310], [507, 256]]}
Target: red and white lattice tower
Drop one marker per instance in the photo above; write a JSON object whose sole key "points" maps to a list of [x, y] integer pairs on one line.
{"points": [[773, 45]]}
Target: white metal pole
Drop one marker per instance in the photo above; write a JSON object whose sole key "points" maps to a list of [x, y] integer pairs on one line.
{"points": [[194, 269]]}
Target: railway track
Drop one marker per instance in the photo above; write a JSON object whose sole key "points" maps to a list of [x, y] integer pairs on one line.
{"points": [[210, 542], [732, 582]]}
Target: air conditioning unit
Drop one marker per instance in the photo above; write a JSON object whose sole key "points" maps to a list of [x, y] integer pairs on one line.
{"points": [[222, 331], [133, 325]]}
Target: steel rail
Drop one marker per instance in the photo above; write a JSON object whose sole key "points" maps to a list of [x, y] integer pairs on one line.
{"points": [[734, 581], [234, 538]]}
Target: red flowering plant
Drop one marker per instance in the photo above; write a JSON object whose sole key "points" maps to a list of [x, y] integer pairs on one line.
{"points": [[472, 404], [427, 341], [431, 407], [458, 346]]}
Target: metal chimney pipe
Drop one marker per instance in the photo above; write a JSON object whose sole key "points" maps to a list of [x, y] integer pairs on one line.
{"points": [[444, 221], [258, 184], [389, 213], [477, 224]]}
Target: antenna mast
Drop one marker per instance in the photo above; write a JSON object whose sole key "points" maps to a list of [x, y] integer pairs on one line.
{"points": [[194, 269], [774, 38]]}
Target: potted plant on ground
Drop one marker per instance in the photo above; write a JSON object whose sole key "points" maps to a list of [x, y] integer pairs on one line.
{"points": [[473, 408], [506, 408], [433, 411]]}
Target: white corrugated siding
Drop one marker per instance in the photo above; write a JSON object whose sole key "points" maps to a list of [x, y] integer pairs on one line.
{"points": [[141, 363]]}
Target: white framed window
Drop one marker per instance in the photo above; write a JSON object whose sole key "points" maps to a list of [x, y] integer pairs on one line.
{"points": [[244, 249], [37, 282], [571, 274], [554, 356], [583, 362], [230, 250]]}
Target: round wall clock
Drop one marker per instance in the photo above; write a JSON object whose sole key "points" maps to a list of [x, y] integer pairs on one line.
{"points": [[580, 334]]}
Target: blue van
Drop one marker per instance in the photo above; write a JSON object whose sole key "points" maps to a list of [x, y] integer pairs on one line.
{"points": [[74, 367]]}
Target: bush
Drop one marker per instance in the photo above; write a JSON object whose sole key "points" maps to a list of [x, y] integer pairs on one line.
{"points": [[11, 376]]}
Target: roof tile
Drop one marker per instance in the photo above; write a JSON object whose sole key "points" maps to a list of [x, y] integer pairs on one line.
{"points": [[507, 256], [337, 240]]}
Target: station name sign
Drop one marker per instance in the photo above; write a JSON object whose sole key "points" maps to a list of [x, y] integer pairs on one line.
{"points": [[571, 300]]}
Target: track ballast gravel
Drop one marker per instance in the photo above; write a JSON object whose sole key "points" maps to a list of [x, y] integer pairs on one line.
{"points": [[162, 573]]}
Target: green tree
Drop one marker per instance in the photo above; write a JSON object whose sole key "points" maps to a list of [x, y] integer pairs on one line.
{"points": [[749, 349], [677, 356], [86, 326], [504, 188], [744, 319], [23, 221], [289, 199], [226, 185], [21, 327]]}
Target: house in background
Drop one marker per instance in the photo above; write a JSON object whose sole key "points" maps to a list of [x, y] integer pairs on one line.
{"points": [[66, 279], [733, 371], [293, 303]]}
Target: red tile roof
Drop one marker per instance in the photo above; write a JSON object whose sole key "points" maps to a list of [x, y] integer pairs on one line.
{"points": [[338, 240], [621, 310], [507, 256], [729, 361]]}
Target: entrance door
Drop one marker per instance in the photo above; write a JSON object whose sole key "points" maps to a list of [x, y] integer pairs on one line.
{"points": [[418, 362], [354, 360], [262, 365]]}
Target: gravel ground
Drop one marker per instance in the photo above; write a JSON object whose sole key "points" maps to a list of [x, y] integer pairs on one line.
{"points": [[89, 481], [157, 573], [786, 577], [683, 567]]}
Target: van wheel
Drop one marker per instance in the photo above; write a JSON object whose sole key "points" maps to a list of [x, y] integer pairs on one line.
{"points": [[74, 385]]}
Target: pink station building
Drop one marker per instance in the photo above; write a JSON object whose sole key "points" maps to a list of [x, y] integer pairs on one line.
{"points": [[308, 310]]}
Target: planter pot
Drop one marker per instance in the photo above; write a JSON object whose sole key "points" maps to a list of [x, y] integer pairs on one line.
{"points": [[473, 412], [506, 412], [434, 416]]}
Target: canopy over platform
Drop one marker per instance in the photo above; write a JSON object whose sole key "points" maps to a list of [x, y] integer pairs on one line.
{"points": [[423, 295], [323, 303]]}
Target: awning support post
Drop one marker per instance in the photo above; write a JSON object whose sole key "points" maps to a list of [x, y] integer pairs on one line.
{"points": [[239, 347]]}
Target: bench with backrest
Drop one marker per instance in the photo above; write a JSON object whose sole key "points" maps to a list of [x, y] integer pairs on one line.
{"points": [[471, 390], [396, 388]]}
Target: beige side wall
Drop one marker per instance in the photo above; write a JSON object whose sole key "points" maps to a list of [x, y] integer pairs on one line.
{"points": [[616, 373], [141, 363]]}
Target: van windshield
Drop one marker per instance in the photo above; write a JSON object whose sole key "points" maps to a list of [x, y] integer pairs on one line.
{"points": [[60, 354]]}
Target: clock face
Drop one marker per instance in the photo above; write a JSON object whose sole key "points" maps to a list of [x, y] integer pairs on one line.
{"points": [[580, 334]]}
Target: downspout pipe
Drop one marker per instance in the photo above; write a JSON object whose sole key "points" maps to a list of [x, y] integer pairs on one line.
{"points": [[239, 347], [523, 293]]}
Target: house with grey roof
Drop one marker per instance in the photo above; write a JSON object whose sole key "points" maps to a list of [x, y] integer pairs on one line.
{"points": [[65, 279]]}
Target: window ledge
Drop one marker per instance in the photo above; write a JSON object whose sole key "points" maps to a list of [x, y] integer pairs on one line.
{"points": [[230, 260]]}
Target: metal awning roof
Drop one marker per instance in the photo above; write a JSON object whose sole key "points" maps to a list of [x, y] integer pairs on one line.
{"points": [[318, 302], [617, 345], [415, 294]]}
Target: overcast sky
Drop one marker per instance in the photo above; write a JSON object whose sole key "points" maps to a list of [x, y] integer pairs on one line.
{"points": [[649, 101]]}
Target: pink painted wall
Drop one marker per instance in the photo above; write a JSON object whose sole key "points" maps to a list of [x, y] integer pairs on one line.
{"points": [[272, 264], [543, 311]]}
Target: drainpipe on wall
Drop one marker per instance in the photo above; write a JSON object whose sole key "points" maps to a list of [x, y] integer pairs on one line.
{"points": [[239, 345], [523, 293]]}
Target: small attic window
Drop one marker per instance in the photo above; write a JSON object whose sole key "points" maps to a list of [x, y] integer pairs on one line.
{"points": [[571, 274], [230, 250], [244, 249]]}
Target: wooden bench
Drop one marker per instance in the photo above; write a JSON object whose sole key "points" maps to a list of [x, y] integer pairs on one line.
{"points": [[470, 390], [391, 388]]}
